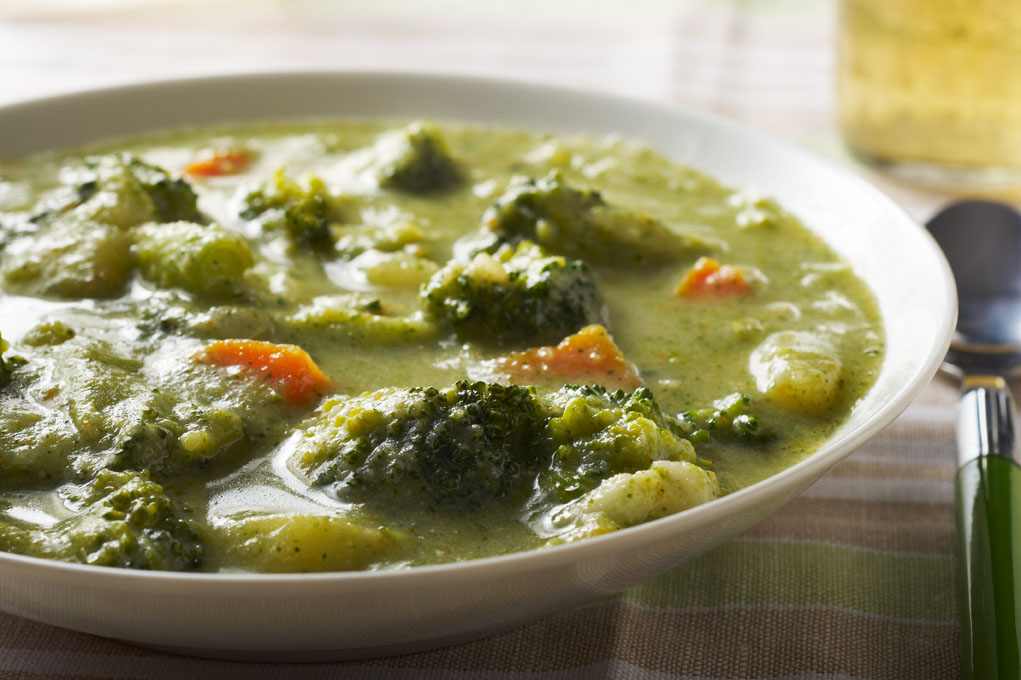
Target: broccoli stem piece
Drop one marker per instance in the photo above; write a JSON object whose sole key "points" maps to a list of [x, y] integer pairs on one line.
{"points": [[172, 199], [579, 224]]}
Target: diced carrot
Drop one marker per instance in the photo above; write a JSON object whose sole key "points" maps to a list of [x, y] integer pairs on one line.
{"points": [[288, 368], [708, 278], [220, 162], [590, 355]]}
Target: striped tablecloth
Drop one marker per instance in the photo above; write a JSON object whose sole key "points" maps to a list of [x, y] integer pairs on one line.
{"points": [[854, 579]]}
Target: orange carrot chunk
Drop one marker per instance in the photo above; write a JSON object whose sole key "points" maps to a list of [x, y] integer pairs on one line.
{"points": [[221, 162], [288, 368], [708, 278], [590, 355]]}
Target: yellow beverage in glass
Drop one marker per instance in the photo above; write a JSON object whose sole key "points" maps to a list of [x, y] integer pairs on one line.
{"points": [[931, 89]]}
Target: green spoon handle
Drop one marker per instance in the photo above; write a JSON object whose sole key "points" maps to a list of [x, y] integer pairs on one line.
{"points": [[989, 535]]}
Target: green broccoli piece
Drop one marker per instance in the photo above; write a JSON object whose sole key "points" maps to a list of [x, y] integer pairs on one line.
{"points": [[517, 294], [579, 224], [202, 259], [727, 418], [462, 448], [5, 368], [123, 190], [48, 333], [597, 434], [303, 211], [127, 520], [8, 365], [415, 160], [172, 199]]}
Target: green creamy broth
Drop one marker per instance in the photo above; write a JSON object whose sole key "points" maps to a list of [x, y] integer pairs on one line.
{"points": [[126, 440]]}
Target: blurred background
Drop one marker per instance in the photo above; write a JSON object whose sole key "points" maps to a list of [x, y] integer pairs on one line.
{"points": [[767, 63]]}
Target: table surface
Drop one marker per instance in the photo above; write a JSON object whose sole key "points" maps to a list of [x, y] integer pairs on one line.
{"points": [[853, 579]]}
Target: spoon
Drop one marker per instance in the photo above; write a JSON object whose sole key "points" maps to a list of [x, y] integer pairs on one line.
{"points": [[982, 243]]}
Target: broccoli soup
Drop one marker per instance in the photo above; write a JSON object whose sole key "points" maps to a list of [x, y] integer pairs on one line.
{"points": [[359, 345]]}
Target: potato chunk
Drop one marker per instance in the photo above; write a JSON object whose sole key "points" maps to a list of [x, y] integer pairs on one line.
{"points": [[303, 542], [624, 500], [73, 260], [799, 370]]}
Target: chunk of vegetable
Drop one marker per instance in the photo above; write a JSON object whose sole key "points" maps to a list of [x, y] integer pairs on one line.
{"points": [[728, 417], [205, 260], [300, 542], [461, 448], [359, 319], [415, 159], [799, 370], [288, 368], [70, 260], [709, 279], [302, 209], [588, 356], [355, 239], [220, 162], [580, 224], [627, 499], [96, 407], [5, 368], [48, 333], [597, 434], [127, 521], [125, 191], [518, 294]]}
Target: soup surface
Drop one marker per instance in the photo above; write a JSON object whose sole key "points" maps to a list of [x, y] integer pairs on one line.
{"points": [[365, 345]]}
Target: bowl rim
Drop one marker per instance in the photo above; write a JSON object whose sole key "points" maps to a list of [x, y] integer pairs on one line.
{"points": [[802, 473]]}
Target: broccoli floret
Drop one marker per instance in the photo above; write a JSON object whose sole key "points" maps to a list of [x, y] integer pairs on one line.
{"points": [[727, 418], [123, 190], [518, 294], [127, 520], [415, 160], [598, 434], [578, 224], [301, 210], [462, 448], [172, 199]]}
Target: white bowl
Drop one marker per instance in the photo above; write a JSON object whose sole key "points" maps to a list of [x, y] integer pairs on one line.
{"points": [[352, 615]]}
